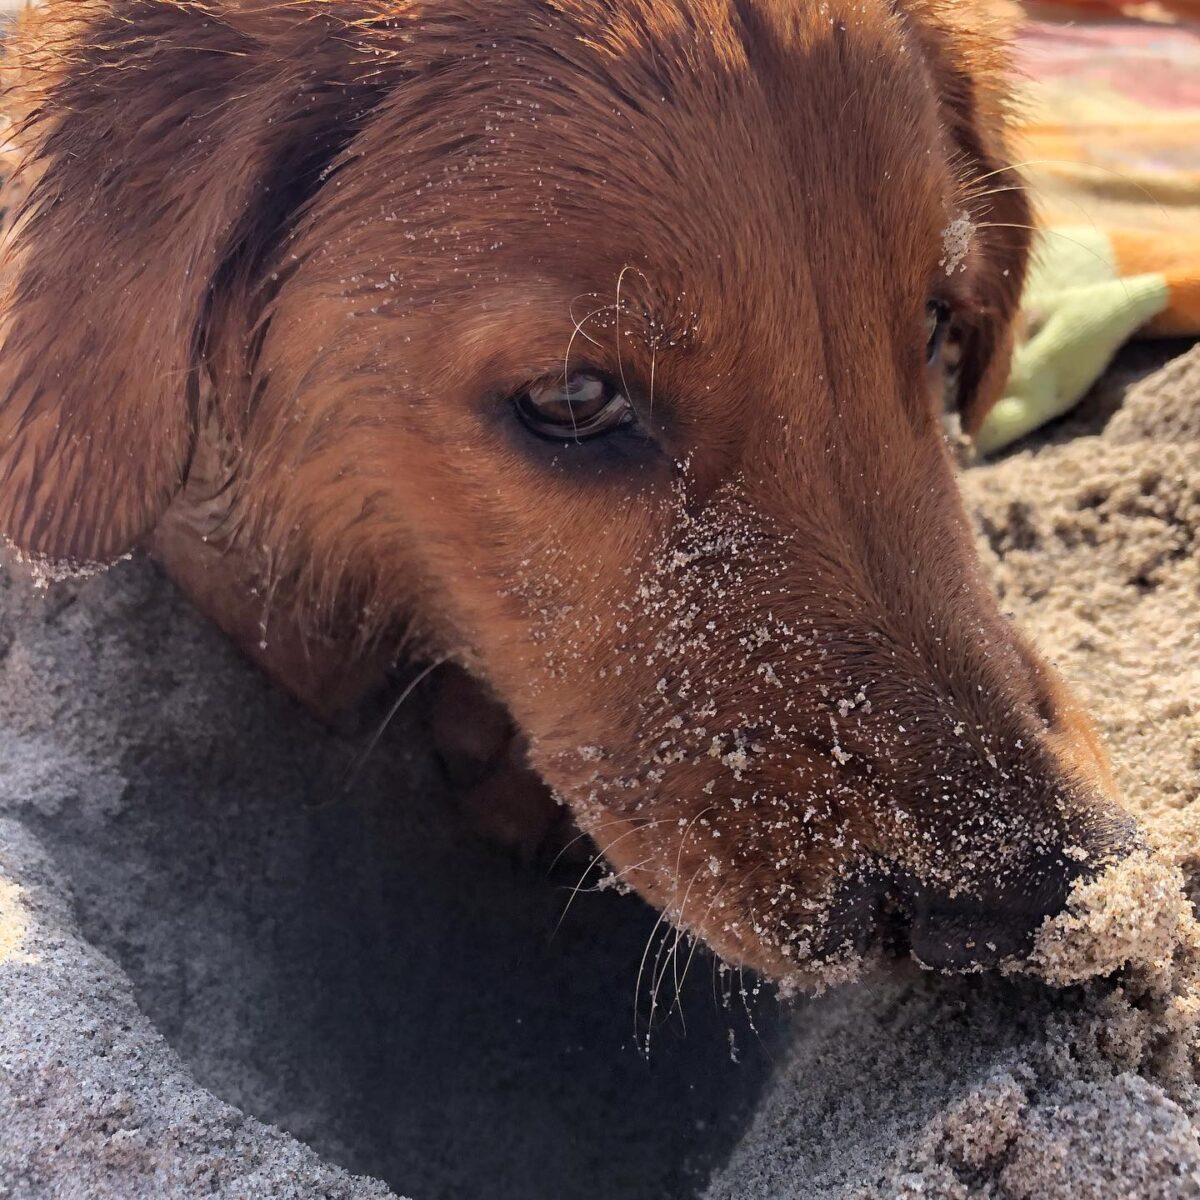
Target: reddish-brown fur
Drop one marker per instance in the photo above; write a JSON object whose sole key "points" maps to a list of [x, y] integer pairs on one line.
{"points": [[282, 266]]}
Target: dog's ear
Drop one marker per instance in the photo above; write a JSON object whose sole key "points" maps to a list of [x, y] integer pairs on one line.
{"points": [[964, 43], [165, 144]]}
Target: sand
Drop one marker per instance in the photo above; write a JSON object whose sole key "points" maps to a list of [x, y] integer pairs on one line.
{"points": [[214, 980]]}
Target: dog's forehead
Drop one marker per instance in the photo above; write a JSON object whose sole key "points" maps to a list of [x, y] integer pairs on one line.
{"points": [[726, 174], [666, 120], [686, 156]]}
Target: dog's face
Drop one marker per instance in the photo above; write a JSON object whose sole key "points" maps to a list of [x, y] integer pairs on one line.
{"points": [[607, 350]]}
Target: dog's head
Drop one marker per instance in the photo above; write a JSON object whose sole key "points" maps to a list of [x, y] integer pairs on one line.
{"points": [[604, 345]]}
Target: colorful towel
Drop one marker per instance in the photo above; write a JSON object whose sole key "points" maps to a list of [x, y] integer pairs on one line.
{"points": [[1111, 148]]}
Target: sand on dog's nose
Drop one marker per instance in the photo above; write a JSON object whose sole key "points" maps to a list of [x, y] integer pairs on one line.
{"points": [[1134, 915]]}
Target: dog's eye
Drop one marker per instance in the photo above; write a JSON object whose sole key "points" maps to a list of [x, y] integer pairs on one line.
{"points": [[583, 405], [937, 324]]}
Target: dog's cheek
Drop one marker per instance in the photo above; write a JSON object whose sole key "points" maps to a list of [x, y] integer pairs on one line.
{"points": [[542, 578]]}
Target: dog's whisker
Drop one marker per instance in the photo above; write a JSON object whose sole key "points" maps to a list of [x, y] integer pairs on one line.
{"points": [[637, 986], [682, 844], [361, 761], [680, 932], [619, 876], [653, 364], [588, 869], [591, 833], [745, 1002], [1057, 233], [651, 1010], [696, 944], [620, 358], [577, 331], [1067, 162]]}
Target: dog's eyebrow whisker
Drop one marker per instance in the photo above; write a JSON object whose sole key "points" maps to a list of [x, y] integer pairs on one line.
{"points": [[589, 296], [582, 332], [1086, 216], [973, 195], [1067, 162], [653, 364], [1057, 233], [620, 361], [578, 330]]}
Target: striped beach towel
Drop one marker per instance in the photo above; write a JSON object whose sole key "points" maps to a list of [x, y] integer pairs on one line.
{"points": [[1110, 144]]}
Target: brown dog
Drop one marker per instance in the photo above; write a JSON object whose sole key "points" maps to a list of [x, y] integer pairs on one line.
{"points": [[595, 345]]}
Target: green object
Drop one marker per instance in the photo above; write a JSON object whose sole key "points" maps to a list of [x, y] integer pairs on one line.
{"points": [[1079, 313]]}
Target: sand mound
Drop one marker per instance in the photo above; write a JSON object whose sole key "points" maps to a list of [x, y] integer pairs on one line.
{"points": [[202, 937]]}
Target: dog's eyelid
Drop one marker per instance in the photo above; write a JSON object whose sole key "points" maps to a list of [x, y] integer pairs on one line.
{"points": [[939, 318], [579, 406]]}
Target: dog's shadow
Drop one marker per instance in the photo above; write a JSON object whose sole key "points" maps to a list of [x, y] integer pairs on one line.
{"points": [[359, 969]]}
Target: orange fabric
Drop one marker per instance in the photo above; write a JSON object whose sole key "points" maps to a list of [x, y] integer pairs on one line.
{"points": [[1140, 253], [1182, 319], [1188, 10], [1111, 137]]}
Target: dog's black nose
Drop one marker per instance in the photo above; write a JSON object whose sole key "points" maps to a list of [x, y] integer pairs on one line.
{"points": [[981, 923], [982, 926]]}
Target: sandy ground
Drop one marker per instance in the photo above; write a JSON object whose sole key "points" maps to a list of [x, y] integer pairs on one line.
{"points": [[194, 935]]}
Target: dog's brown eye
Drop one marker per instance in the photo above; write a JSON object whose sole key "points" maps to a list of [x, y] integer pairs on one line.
{"points": [[583, 405], [937, 324]]}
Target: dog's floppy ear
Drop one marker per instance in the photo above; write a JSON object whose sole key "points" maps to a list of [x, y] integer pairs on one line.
{"points": [[963, 42], [163, 142]]}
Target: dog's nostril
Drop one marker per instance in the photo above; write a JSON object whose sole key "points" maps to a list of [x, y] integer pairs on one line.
{"points": [[855, 917], [965, 933]]}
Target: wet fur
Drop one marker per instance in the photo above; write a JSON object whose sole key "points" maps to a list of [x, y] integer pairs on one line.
{"points": [[282, 264]]}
